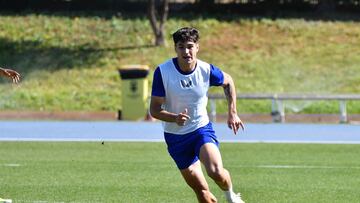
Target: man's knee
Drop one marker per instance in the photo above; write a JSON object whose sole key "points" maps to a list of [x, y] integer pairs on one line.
{"points": [[216, 173]]}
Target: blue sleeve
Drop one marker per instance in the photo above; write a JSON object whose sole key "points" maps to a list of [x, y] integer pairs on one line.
{"points": [[216, 76], [158, 85]]}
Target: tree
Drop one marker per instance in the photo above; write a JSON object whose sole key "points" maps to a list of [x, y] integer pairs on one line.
{"points": [[157, 14], [206, 2]]}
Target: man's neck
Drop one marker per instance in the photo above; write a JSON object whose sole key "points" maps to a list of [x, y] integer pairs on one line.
{"points": [[187, 67]]}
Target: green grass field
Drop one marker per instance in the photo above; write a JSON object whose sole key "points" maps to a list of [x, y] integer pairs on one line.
{"points": [[69, 61], [143, 172]]}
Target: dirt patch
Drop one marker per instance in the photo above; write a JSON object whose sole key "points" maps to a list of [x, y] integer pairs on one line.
{"points": [[40, 115], [113, 116], [295, 118]]}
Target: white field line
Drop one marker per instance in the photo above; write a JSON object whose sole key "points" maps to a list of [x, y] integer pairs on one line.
{"points": [[78, 140], [299, 167], [260, 166], [12, 165], [278, 141], [44, 201], [162, 140]]}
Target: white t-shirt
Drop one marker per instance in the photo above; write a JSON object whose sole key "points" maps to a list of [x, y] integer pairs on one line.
{"points": [[186, 91]]}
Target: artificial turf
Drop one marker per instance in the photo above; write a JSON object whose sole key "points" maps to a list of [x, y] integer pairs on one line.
{"points": [[143, 172]]}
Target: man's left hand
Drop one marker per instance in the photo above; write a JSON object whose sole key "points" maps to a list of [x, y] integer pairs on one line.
{"points": [[234, 123]]}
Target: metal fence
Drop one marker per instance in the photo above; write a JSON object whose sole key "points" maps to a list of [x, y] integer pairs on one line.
{"points": [[278, 107]]}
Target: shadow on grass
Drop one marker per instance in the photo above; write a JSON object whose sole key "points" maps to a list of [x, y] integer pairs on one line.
{"points": [[26, 56]]}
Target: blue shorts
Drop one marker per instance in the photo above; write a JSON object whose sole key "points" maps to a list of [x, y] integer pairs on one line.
{"points": [[185, 149]]}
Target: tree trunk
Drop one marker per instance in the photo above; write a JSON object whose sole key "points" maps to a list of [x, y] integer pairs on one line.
{"points": [[157, 19]]}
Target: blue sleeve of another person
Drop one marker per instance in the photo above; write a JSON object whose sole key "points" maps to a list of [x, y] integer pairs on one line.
{"points": [[158, 85], [216, 76]]}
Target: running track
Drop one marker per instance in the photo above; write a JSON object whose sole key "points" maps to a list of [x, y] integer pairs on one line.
{"points": [[152, 132]]}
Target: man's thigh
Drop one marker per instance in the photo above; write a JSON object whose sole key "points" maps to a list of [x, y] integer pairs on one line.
{"points": [[210, 156]]}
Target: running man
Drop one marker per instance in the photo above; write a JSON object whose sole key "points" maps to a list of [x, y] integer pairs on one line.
{"points": [[179, 99], [15, 76]]}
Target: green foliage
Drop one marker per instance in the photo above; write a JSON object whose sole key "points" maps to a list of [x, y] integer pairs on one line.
{"points": [[70, 62], [144, 172]]}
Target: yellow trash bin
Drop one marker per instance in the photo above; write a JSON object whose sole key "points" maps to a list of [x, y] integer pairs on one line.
{"points": [[134, 95]]}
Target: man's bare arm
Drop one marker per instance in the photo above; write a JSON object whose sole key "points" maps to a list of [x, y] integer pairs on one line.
{"points": [[233, 121], [158, 112]]}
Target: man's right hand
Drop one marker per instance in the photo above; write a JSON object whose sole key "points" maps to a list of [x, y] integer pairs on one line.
{"points": [[182, 117]]}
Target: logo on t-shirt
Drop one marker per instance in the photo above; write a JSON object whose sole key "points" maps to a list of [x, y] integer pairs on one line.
{"points": [[186, 84]]}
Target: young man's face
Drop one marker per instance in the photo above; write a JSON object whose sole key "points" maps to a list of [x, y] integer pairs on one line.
{"points": [[186, 51]]}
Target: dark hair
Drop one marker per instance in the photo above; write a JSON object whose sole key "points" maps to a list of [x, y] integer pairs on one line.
{"points": [[186, 34]]}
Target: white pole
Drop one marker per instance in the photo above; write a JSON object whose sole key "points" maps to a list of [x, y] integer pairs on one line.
{"points": [[343, 114]]}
